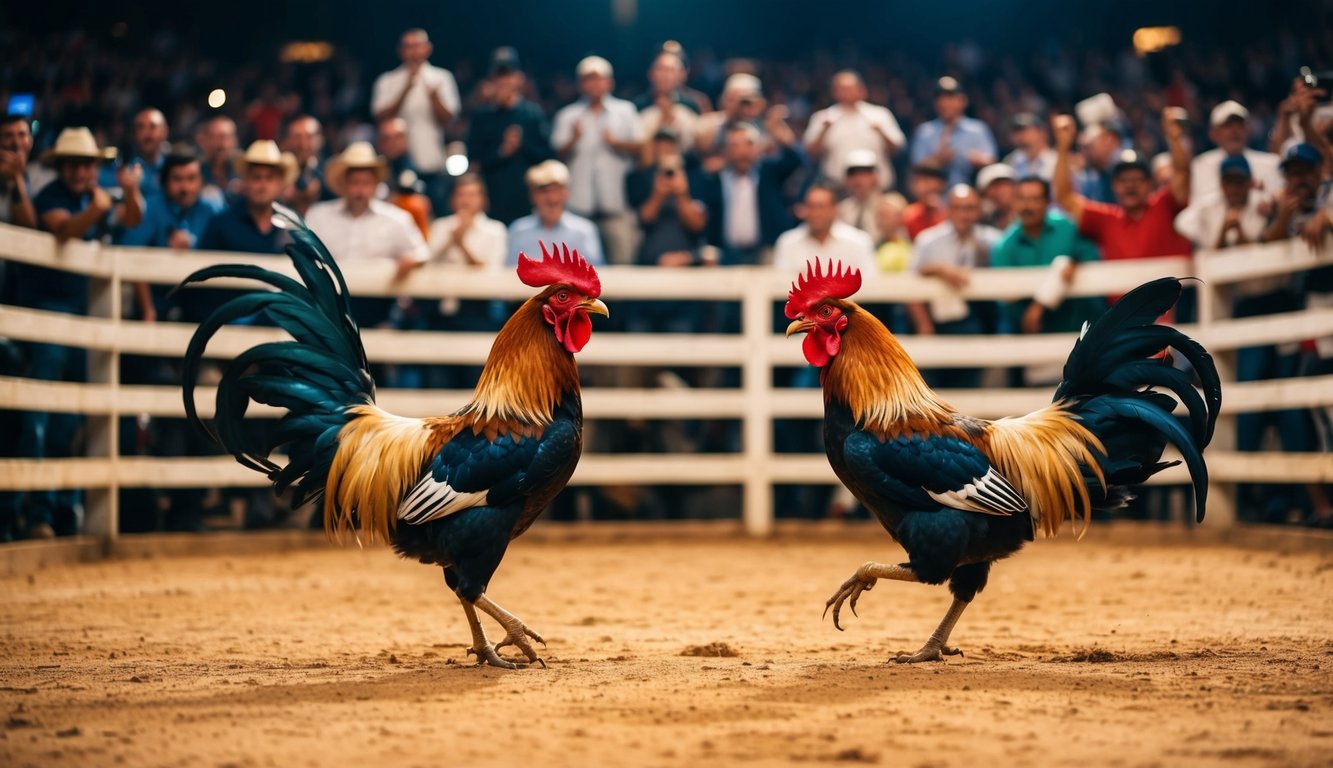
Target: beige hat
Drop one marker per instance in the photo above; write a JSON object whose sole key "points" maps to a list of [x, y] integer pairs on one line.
{"points": [[266, 152], [77, 143], [993, 173], [546, 173], [593, 65], [743, 82], [1228, 110], [861, 158], [359, 154]]}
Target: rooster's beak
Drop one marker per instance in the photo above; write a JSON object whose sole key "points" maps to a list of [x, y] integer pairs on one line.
{"points": [[799, 326], [596, 307]]}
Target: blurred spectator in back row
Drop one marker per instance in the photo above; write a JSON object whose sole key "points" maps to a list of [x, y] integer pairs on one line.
{"points": [[304, 139], [861, 183], [824, 236], [15, 189], [745, 202], [426, 97], [928, 185], [216, 138], [550, 222], [953, 141], [1229, 128], [1032, 155], [853, 125], [671, 219], [509, 134]]}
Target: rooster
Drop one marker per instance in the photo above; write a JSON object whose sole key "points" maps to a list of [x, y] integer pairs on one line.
{"points": [[450, 491], [959, 493]]}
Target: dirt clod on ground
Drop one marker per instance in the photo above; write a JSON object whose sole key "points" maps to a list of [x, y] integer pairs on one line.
{"points": [[717, 650]]}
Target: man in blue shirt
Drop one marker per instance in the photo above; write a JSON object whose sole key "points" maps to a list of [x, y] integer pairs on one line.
{"points": [[953, 141], [148, 153], [247, 224], [550, 223], [178, 221]]}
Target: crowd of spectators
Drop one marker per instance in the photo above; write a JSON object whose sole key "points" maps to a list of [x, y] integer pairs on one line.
{"points": [[943, 168]]}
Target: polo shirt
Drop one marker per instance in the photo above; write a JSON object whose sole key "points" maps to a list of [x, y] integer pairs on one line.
{"points": [[161, 220], [1059, 237], [797, 247], [383, 232], [968, 134], [575, 231], [1151, 234]]}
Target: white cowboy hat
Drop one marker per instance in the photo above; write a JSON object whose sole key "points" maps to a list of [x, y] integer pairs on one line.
{"points": [[77, 143], [265, 152], [546, 173], [359, 154]]}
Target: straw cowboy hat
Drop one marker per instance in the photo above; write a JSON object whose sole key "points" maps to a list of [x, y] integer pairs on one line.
{"points": [[76, 144], [359, 154], [265, 152]]}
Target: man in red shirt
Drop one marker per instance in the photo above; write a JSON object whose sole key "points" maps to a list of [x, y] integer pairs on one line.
{"points": [[928, 183], [1139, 224]]}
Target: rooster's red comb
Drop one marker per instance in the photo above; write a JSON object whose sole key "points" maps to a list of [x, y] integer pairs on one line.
{"points": [[816, 285], [559, 265]]}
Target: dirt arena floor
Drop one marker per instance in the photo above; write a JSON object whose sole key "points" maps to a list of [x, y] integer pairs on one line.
{"points": [[1099, 653]]}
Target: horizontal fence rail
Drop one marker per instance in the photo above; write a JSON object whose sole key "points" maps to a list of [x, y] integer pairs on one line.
{"points": [[756, 351]]}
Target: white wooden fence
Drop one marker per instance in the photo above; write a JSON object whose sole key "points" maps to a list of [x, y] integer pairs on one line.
{"points": [[756, 350]]}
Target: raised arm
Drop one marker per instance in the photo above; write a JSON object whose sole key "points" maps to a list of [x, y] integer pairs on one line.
{"points": [[1174, 131], [1064, 129]]}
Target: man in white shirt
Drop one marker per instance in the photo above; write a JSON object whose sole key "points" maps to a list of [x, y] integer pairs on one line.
{"points": [[1228, 217], [824, 236], [861, 185], [852, 124], [468, 239], [1228, 127], [358, 228], [598, 136], [426, 98]]}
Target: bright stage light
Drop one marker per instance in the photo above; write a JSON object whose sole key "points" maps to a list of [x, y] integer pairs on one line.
{"points": [[216, 98]]}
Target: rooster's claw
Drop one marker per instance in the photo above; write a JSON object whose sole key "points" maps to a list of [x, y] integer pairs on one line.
{"points": [[849, 592]]}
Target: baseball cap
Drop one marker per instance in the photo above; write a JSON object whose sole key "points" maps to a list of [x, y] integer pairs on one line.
{"points": [[1301, 153], [593, 65], [1235, 165], [862, 158], [743, 83], [947, 84], [1128, 159], [504, 60], [1228, 110], [1024, 120], [993, 173]]}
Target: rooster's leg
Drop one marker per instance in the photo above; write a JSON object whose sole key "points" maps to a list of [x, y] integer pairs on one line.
{"points": [[481, 645], [936, 648], [863, 581], [516, 632]]}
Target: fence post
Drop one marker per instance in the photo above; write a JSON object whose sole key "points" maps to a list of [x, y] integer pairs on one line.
{"points": [[1214, 305], [102, 505], [757, 424]]}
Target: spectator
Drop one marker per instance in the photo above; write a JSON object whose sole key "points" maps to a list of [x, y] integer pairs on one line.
{"points": [[305, 141], [216, 139], [950, 251], [1162, 171], [671, 219], [184, 215], [550, 222], [1139, 224], [265, 114], [73, 207], [928, 185], [1227, 217], [426, 97], [1100, 146], [853, 124], [1032, 155], [665, 105], [952, 141], [509, 134], [893, 253], [149, 153], [1302, 174], [861, 184], [742, 102], [468, 237], [247, 224], [746, 206], [1045, 238], [823, 235], [356, 227], [391, 140], [15, 190], [1229, 128], [997, 183], [597, 136]]}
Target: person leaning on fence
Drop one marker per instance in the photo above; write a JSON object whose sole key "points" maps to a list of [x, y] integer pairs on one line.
{"points": [[15, 186], [73, 207], [550, 222]]}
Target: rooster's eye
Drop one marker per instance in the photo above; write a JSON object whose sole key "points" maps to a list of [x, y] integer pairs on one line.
{"points": [[827, 311], [562, 296]]}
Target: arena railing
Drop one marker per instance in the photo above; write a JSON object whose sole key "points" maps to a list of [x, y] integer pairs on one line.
{"points": [[756, 351]]}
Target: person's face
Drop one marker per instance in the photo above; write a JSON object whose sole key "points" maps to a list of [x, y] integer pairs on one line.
{"points": [[468, 199], [508, 87], [741, 150], [1236, 189], [860, 182], [1162, 175], [549, 200], [820, 210], [1131, 188], [184, 183], [1001, 193], [964, 210], [1302, 179], [262, 185], [150, 132], [305, 138], [79, 175], [594, 86], [17, 137], [1030, 203], [666, 74], [221, 139], [359, 186], [393, 139], [847, 89], [664, 148], [927, 188], [1230, 136], [950, 106], [888, 217], [415, 50]]}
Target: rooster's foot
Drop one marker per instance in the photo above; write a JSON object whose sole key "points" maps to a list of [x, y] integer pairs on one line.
{"points": [[849, 592], [931, 651], [487, 654], [517, 636]]}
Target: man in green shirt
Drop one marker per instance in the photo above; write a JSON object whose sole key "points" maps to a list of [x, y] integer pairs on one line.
{"points": [[1038, 237]]}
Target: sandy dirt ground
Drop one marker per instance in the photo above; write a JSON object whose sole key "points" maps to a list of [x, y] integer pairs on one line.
{"points": [[1078, 654]]}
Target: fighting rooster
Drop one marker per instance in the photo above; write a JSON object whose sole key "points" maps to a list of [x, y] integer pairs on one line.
{"points": [[959, 493], [451, 490]]}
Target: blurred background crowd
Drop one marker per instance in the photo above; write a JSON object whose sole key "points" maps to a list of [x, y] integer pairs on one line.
{"points": [[1046, 153]]}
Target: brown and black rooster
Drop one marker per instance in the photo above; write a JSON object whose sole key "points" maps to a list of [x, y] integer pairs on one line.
{"points": [[452, 490], [959, 493]]}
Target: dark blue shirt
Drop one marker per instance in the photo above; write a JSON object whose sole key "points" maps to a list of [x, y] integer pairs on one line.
{"points": [[150, 188], [167, 217], [234, 229], [55, 289]]}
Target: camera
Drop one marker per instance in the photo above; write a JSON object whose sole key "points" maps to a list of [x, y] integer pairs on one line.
{"points": [[669, 172]]}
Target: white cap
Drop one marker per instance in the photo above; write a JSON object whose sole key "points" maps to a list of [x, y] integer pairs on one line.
{"points": [[993, 173], [743, 82], [1096, 109], [1161, 160], [862, 158], [593, 65], [546, 173], [1228, 110]]}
